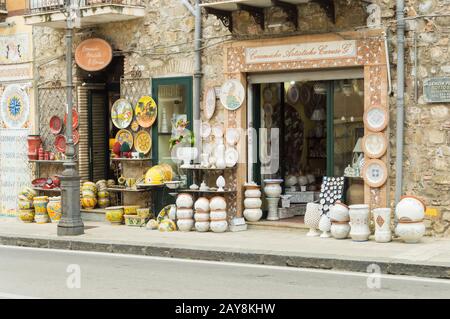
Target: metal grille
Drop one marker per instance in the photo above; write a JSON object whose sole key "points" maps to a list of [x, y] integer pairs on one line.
{"points": [[37, 6], [133, 89], [52, 101]]}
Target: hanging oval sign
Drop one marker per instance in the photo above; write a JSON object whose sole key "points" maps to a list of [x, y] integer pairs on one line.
{"points": [[93, 54], [232, 95]]}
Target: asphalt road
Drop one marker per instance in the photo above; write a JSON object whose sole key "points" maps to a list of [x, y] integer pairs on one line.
{"points": [[36, 273]]}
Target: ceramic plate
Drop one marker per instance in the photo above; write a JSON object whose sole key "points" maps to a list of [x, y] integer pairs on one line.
{"points": [[121, 113], [374, 145], [376, 118], [231, 157], [55, 125], [146, 111], [232, 95], [164, 213], [125, 136], [60, 143], [76, 137], [232, 136], [15, 106], [143, 142], [74, 118], [217, 131], [210, 103], [205, 130], [293, 94], [375, 173], [134, 126]]}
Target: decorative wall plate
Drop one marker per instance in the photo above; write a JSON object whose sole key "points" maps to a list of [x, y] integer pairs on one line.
{"points": [[122, 113], [232, 136], [143, 142], [55, 125], [205, 130], [134, 126], [374, 145], [293, 94], [146, 111], [15, 106], [75, 137], [60, 143], [376, 118], [375, 173], [210, 103], [74, 118], [231, 157], [232, 95], [125, 136], [267, 95]]}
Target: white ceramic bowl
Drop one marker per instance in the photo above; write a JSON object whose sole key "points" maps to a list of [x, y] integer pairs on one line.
{"points": [[185, 225], [173, 184], [184, 201], [410, 209], [218, 203], [253, 215], [202, 227], [219, 226], [185, 213], [202, 204]]}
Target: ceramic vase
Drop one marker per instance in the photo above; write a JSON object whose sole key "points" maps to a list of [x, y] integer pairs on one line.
{"points": [[325, 226], [359, 222], [54, 209], [382, 219], [273, 190], [312, 219]]}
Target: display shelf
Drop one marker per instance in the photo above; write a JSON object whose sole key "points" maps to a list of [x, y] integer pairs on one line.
{"points": [[53, 190], [127, 190], [201, 168], [48, 161], [131, 159], [206, 192]]}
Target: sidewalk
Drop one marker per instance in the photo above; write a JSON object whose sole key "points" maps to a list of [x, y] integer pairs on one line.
{"points": [[431, 258]]}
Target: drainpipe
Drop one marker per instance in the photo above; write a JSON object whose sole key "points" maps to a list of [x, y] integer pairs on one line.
{"points": [[400, 97]]}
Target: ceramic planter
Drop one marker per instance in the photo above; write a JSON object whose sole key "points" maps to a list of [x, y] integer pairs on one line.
{"points": [[272, 188], [41, 218], [253, 215], [88, 203], [143, 212], [202, 227], [253, 193], [114, 215], [185, 225], [184, 201], [54, 209], [26, 215], [340, 230], [219, 226], [254, 203], [382, 218], [359, 222], [312, 219], [104, 202], [410, 232], [410, 208]]}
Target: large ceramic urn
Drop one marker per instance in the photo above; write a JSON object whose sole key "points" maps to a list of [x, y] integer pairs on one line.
{"points": [[273, 190], [359, 222]]}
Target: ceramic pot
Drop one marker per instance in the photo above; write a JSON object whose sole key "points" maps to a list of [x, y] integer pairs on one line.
{"points": [[41, 218], [25, 204], [54, 209], [202, 205], [359, 222], [143, 212], [272, 188], [131, 210], [185, 213], [312, 219], [382, 218], [253, 193], [184, 201], [340, 230], [339, 213], [202, 227], [114, 215], [325, 226], [219, 226], [252, 203], [103, 194], [40, 204], [104, 202], [410, 208], [88, 203], [26, 215], [90, 186], [134, 220], [87, 193], [410, 232], [253, 215], [218, 203], [185, 225], [167, 225], [218, 215]]}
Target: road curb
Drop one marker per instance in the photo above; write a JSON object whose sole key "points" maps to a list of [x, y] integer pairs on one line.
{"points": [[315, 262]]}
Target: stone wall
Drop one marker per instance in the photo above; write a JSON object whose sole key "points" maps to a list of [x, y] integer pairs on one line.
{"points": [[161, 44]]}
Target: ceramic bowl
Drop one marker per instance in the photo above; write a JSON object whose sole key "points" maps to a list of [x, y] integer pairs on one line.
{"points": [[201, 217], [339, 212], [202, 205], [173, 184], [410, 208], [219, 226], [114, 215], [185, 201], [185, 225], [134, 220], [253, 215], [185, 213], [218, 203], [218, 215], [202, 227], [131, 210]]}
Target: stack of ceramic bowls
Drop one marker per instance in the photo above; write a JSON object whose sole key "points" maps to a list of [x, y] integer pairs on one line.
{"points": [[185, 212], [54, 209], [252, 203], [218, 214], [26, 208], [103, 194], [340, 218], [40, 210], [89, 195], [201, 216]]}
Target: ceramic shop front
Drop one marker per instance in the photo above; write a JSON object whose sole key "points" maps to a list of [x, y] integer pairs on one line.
{"points": [[340, 81]]}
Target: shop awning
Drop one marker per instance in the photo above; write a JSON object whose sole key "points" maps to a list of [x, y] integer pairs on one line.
{"points": [[223, 9]]}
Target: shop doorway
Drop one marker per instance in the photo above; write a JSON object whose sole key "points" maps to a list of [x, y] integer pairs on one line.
{"points": [[307, 130]]}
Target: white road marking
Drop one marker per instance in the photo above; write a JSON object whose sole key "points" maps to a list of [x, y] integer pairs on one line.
{"points": [[234, 264], [5, 295]]}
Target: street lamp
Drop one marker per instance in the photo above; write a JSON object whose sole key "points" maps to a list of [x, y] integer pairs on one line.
{"points": [[70, 223]]}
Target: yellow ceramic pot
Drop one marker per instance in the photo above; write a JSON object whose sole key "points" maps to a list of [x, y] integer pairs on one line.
{"points": [[25, 204], [88, 203], [143, 212], [54, 209], [28, 192], [131, 210], [103, 195], [26, 215], [104, 202], [114, 215], [40, 204], [87, 193], [89, 186]]}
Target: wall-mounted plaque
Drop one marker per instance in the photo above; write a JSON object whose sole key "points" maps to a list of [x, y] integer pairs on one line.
{"points": [[437, 90], [93, 54]]}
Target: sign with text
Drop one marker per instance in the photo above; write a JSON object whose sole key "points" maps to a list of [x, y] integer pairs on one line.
{"points": [[437, 90], [301, 51], [14, 171], [93, 55]]}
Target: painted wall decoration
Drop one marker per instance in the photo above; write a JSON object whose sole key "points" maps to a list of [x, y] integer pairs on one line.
{"points": [[14, 170], [14, 107], [14, 48], [232, 95]]}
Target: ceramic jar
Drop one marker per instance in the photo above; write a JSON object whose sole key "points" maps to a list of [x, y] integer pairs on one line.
{"points": [[252, 203], [312, 219], [359, 222], [115, 215], [202, 205], [410, 208], [339, 212], [185, 225], [253, 214], [104, 202], [220, 156], [54, 209], [410, 232], [382, 219], [340, 230], [26, 215], [184, 201], [218, 203], [325, 226], [41, 218]]}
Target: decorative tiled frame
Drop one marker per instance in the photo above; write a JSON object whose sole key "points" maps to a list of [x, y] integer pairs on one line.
{"points": [[371, 55]]}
